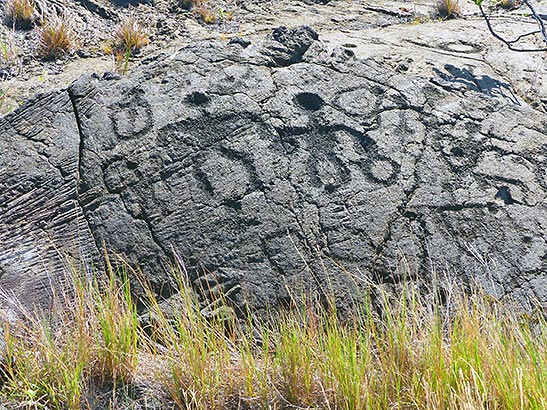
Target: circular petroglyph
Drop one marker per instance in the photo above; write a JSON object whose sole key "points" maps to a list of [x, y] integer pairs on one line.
{"points": [[461, 47], [132, 117]]}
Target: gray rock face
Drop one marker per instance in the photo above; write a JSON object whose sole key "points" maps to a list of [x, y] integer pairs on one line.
{"points": [[278, 166], [39, 211]]}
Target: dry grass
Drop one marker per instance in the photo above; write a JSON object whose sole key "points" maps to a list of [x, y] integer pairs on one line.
{"points": [[8, 50], [7, 103], [207, 10], [448, 9], [207, 15], [399, 351], [129, 38], [89, 337], [19, 13], [130, 35], [56, 37], [509, 4]]}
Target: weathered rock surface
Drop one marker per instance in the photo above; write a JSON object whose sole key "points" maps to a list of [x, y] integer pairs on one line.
{"points": [[277, 164], [405, 34], [39, 212]]}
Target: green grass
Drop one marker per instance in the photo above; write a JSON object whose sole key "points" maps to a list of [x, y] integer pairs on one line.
{"points": [[400, 350]]}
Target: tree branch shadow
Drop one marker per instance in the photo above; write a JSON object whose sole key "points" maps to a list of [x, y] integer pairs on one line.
{"points": [[480, 83]]}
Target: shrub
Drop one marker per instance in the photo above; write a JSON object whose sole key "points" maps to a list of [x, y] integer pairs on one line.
{"points": [[19, 13], [448, 9], [56, 37]]}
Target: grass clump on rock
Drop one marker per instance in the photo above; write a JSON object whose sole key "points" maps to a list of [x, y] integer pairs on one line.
{"points": [[403, 350], [130, 35], [19, 13], [509, 4], [448, 9], [129, 38], [56, 37]]}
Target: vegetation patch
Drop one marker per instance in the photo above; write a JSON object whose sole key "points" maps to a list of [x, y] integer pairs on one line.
{"points": [[509, 4], [7, 103], [130, 35], [56, 36], [448, 9], [19, 13], [129, 38], [403, 350]]}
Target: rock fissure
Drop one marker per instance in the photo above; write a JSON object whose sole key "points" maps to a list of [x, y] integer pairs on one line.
{"points": [[80, 147]]}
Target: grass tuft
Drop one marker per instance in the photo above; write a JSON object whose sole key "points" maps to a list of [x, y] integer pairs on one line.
{"points": [[89, 337], [19, 13], [206, 14], [7, 103], [8, 50], [56, 37], [128, 40], [130, 35], [448, 9], [509, 4]]}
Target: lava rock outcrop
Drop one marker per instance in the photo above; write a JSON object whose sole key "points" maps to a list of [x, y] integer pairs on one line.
{"points": [[273, 167]]}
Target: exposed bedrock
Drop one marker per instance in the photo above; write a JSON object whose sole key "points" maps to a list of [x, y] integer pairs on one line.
{"points": [[275, 165]]}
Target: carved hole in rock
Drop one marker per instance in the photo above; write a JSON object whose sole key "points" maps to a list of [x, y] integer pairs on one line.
{"points": [[504, 195], [132, 165], [198, 98], [349, 45], [457, 151], [310, 101]]}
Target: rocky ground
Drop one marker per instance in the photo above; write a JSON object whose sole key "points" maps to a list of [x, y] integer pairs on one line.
{"points": [[408, 35]]}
